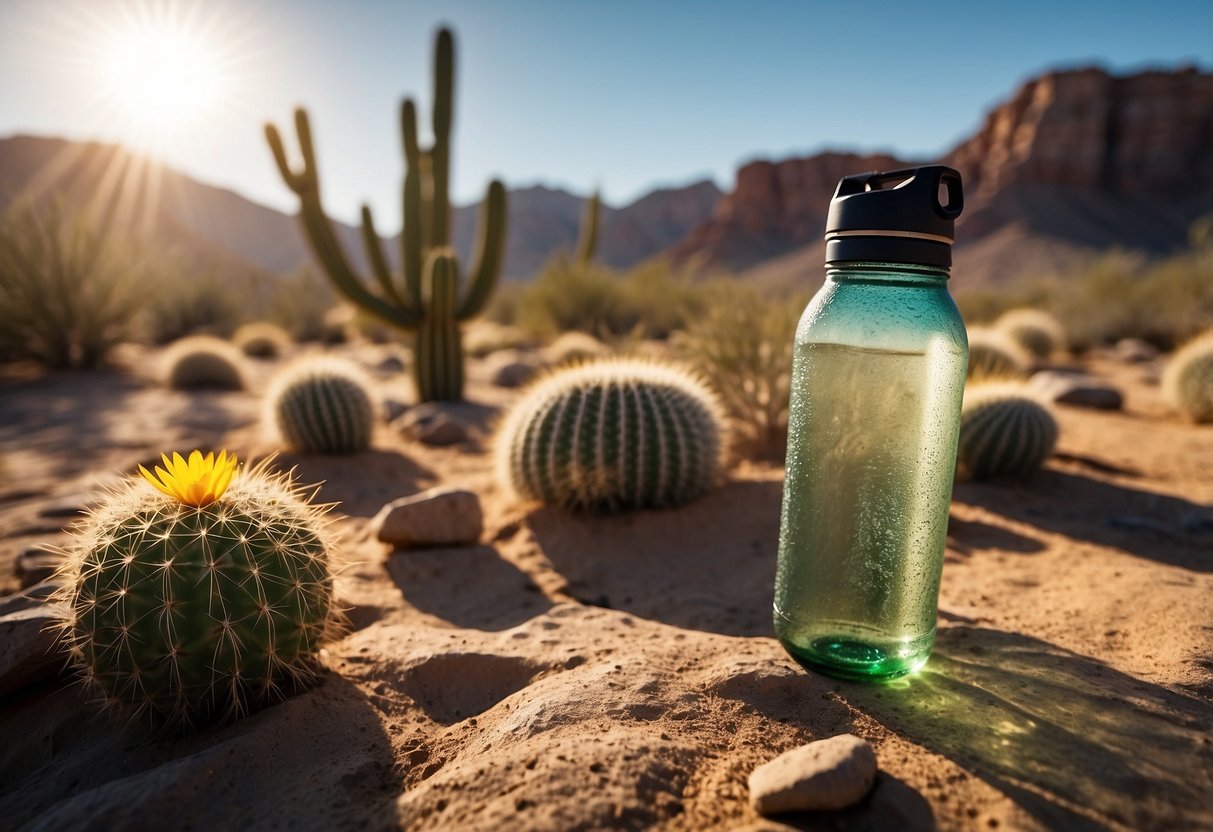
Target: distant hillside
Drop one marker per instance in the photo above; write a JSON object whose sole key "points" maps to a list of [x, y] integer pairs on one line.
{"points": [[1075, 163], [135, 193]]}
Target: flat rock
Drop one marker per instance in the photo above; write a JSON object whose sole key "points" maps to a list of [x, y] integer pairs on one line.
{"points": [[1077, 389], [33, 596], [1135, 350], [440, 516], [393, 409], [30, 648], [65, 510], [35, 565], [434, 424], [827, 774], [513, 373]]}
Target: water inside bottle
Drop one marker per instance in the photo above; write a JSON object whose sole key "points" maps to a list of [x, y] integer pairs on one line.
{"points": [[871, 455]]}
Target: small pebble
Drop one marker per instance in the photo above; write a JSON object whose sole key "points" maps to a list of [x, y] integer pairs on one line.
{"points": [[827, 774], [438, 517]]}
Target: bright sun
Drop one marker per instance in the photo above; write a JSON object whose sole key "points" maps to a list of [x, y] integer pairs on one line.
{"points": [[161, 74]]}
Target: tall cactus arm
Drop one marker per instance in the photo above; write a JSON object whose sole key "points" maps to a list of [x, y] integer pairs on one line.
{"points": [[587, 241], [379, 265], [410, 237], [319, 228], [487, 263], [444, 93]]}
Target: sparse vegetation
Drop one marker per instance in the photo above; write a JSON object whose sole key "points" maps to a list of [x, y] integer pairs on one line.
{"points": [[742, 343], [204, 362], [68, 293], [1188, 381]]}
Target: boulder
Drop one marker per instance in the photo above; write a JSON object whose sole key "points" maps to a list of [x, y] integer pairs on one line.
{"points": [[438, 517]]}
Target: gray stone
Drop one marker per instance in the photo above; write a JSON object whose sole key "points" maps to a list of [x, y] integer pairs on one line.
{"points": [[438, 517], [393, 409], [828, 774], [390, 365], [434, 424], [1076, 389], [35, 565], [30, 646], [1135, 350], [513, 373]]}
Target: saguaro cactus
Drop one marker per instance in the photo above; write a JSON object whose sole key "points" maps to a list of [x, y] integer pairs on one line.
{"points": [[587, 238], [425, 299]]}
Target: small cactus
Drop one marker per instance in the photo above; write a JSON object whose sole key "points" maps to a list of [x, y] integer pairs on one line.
{"points": [[1004, 431], [994, 355], [613, 434], [193, 602], [573, 347], [1036, 331], [262, 339], [204, 362], [1188, 380], [323, 406]]}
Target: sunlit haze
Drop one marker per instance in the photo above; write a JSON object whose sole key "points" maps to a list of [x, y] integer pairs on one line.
{"points": [[162, 76]]}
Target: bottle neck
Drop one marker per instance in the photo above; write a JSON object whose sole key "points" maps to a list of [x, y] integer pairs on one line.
{"points": [[910, 274]]}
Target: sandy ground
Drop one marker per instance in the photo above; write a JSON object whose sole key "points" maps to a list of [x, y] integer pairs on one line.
{"points": [[590, 672]]}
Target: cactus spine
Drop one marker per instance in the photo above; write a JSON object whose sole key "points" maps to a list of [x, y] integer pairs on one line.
{"points": [[1188, 380], [323, 406], [613, 434], [407, 301], [199, 613], [1004, 431], [587, 239]]}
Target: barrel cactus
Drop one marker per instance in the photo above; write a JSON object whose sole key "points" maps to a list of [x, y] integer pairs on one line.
{"points": [[323, 405], [994, 354], [262, 339], [575, 346], [1188, 380], [1004, 431], [204, 362], [612, 434], [1036, 331], [194, 602]]}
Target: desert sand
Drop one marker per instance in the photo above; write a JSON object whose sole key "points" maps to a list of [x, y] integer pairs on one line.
{"points": [[593, 672]]}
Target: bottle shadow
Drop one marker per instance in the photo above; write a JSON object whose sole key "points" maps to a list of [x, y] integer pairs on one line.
{"points": [[1158, 527], [1077, 744]]}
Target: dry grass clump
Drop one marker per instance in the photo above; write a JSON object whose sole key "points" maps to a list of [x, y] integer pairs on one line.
{"points": [[68, 293], [204, 362], [743, 344]]}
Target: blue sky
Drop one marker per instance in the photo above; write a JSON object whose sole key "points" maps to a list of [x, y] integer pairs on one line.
{"points": [[619, 95]]}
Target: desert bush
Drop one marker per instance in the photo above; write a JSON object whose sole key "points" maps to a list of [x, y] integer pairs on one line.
{"points": [[261, 339], [299, 303], [204, 361], [68, 292], [613, 434], [649, 301], [743, 342], [192, 295], [1188, 380]]}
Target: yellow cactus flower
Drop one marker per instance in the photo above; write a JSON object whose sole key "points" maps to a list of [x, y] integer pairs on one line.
{"points": [[198, 481]]}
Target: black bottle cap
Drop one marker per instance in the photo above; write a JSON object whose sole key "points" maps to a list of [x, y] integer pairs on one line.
{"points": [[895, 216]]}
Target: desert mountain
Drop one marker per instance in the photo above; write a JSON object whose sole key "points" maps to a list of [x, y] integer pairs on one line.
{"points": [[1074, 163], [134, 192]]}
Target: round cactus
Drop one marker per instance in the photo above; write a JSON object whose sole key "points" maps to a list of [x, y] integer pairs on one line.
{"points": [[1188, 380], [572, 347], [1004, 431], [613, 434], [262, 339], [993, 354], [203, 361], [323, 406], [194, 602], [1037, 332]]}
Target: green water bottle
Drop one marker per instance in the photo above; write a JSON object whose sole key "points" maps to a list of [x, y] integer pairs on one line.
{"points": [[878, 375]]}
